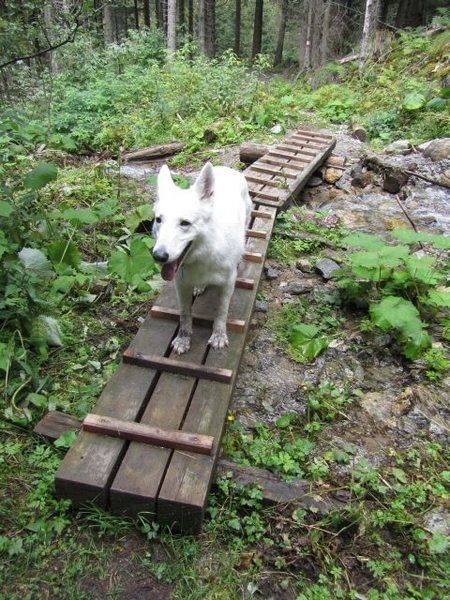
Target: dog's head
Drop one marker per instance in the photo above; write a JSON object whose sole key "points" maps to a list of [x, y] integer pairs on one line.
{"points": [[179, 217]]}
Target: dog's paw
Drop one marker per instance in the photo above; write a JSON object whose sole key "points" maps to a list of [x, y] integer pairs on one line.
{"points": [[181, 344], [218, 340]]}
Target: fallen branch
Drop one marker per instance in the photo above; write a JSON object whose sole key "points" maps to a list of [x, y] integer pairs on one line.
{"points": [[374, 161]]}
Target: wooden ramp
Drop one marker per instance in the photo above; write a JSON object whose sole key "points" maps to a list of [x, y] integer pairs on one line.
{"points": [[152, 443], [277, 177]]}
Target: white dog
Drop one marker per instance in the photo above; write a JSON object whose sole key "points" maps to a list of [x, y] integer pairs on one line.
{"points": [[199, 239]]}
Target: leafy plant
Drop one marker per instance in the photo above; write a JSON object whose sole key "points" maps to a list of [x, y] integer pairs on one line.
{"points": [[400, 286]]}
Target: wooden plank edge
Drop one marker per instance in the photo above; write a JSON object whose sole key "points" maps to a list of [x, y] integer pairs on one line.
{"points": [[162, 312], [146, 434], [169, 365]]}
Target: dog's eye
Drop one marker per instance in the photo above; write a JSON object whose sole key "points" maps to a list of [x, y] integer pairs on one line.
{"points": [[158, 220], [185, 223]]}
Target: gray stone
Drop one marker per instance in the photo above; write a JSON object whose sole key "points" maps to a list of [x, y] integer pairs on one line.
{"points": [[272, 273], [327, 267], [438, 149]]}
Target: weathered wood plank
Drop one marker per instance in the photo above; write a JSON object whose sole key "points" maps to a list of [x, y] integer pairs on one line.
{"points": [[146, 434], [169, 365], [88, 469], [183, 495], [161, 312], [136, 486]]}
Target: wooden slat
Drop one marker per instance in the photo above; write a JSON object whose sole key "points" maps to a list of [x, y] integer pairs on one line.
{"points": [[169, 365], [245, 283], [261, 214], [146, 434], [162, 312], [254, 233], [260, 168], [253, 257]]}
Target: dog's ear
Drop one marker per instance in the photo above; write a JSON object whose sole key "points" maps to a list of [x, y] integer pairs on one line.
{"points": [[165, 178], [204, 186]]}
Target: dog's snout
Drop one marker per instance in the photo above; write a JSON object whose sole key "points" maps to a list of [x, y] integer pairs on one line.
{"points": [[160, 255]]}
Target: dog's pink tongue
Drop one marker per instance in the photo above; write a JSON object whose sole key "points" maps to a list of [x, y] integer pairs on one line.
{"points": [[168, 271]]}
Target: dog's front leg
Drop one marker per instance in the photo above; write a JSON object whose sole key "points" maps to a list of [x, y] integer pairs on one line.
{"points": [[219, 338], [182, 343]]}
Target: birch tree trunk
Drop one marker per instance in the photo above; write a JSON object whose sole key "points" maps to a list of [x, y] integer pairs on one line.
{"points": [[171, 27], [369, 25]]}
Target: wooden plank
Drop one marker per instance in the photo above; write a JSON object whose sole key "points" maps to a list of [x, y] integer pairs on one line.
{"points": [[169, 365], [262, 214], [56, 423], [253, 233], [245, 283], [183, 494], [138, 480], [88, 469], [253, 257], [161, 312], [269, 170], [146, 434]]}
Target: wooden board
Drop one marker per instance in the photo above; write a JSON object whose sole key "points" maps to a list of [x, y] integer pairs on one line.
{"points": [[279, 175]]}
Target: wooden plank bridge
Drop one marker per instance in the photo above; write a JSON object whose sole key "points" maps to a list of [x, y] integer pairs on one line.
{"points": [[152, 443]]}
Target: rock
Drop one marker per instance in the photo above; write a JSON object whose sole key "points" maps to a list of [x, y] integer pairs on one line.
{"points": [[379, 406], [333, 175], [393, 182], [438, 149], [363, 180], [261, 306], [304, 265], [398, 147], [327, 267], [272, 273], [315, 181], [437, 520], [300, 287]]}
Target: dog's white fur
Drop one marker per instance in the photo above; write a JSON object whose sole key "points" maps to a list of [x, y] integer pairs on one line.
{"points": [[199, 239]]}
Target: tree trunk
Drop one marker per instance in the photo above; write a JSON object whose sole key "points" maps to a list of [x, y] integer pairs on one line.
{"points": [[237, 28], [308, 41], [281, 34], [257, 28], [171, 27], [325, 32], [370, 21], [146, 4], [210, 14], [202, 26], [108, 24], [411, 13]]}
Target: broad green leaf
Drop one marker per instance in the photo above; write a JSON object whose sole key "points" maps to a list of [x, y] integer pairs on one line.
{"points": [[423, 269], [137, 261], [439, 297], [394, 312], [40, 176], [63, 252], [414, 101], [5, 356], [35, 260], [307, 341], [364, 240], [66, 439], [5, 208], [400, 475], [139, 215], [80, 216]]}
